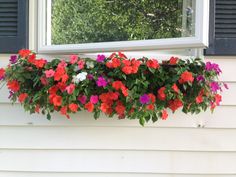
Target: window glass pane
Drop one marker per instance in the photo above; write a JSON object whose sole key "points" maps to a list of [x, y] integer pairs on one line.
{"points": [[87, 21]]}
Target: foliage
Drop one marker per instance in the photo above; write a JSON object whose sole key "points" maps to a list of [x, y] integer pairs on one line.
{"points": [[80, 21], [140, 89]]}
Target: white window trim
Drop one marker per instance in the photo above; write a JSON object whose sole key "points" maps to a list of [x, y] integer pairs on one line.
{"points": [[199, 41]]}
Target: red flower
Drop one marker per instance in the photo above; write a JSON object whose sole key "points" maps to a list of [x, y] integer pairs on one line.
{"points": [[73, 107], [121, 55], [218, 99], [73, 59], [127, 69], [81, 64], [13, 85], [164, 115], [152, 97], [150, 107], [63, 111], [2, 73], [53, 90], [175, 104], [44, 81], [37, 108], [32, 58], [117, 85], [161, 94], [89, 106], [40, 63], [124, 91], [199, 99], [60, 71], [24, 53], [173, 60], [57, 100], [153, 64], [186, 77], [175, 88], [120, 108], [22, 97], [106, 108]]}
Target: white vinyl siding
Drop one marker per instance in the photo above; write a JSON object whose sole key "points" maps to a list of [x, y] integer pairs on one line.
{"points": [[32, 146]]}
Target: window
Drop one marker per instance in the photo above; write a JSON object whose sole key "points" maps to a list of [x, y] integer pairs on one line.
{"points": [[111, 25]]}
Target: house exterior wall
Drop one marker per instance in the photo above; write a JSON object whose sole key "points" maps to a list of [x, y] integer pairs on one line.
{"points": [[32, 146]]}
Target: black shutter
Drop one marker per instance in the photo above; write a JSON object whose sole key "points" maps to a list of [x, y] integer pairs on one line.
{"points": [[222, 34], [13, 25]]}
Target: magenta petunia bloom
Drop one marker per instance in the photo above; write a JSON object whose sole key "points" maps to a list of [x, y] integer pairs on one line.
{"points": [[101, 82], [13, 59], [94, 99], [82, 99], [100, 58], [214, 86], [144, 99]]}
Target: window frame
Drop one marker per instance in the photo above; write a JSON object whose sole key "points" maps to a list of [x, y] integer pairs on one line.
{"points": [[199, 41]]}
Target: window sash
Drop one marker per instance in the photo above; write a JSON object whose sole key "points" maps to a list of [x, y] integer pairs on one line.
{"points": [[200, 40]]}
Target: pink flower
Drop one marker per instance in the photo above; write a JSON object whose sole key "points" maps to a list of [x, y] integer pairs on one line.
{"points": [[81, 64], [70, 88], [82, 99], [101, 82], [94, 99], [49, 73], [62, 64], [73, 59]]}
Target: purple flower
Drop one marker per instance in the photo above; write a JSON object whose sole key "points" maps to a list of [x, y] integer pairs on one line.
{"points": [[200, 78], [101, 82], [13, 59], [213, 66], [214, 86], [100, 58], [144, 99], [82, 99], [90, 77]]}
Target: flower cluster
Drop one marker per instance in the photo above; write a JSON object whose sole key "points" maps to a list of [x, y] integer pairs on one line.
{"points": [[141, 89]]}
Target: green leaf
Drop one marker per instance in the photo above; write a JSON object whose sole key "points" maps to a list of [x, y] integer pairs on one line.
{"points": [[48, 116], [142, 121]]}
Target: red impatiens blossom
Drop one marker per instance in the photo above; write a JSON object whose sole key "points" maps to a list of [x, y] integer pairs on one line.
{"points": [[64, 110], [118, 85], [153, 64], [161, 93], [59, 73], [173, 60], [186, 77], [56, 100], [24, 53], [61, 86], [31, 58], [53, 90], [22, 97], [109, 97], [130, 66], [127, 70], [152, 97], [70, 88], [40, 63], [164, 115], [37, 108], [150, 107], [175, 88], [199, 99], [2, 73], [106, 108], [81, 64], [120, 108], [73, 107], [175, 104], [13, 85], [89, 106], [218, 99]]}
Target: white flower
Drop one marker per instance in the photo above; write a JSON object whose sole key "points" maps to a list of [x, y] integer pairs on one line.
{"points": [[90, 64], [79, 77]]}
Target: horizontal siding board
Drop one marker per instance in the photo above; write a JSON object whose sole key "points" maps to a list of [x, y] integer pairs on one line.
{"points": [[121, 138], [14, 115], [118, 161], [38, 174]]}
